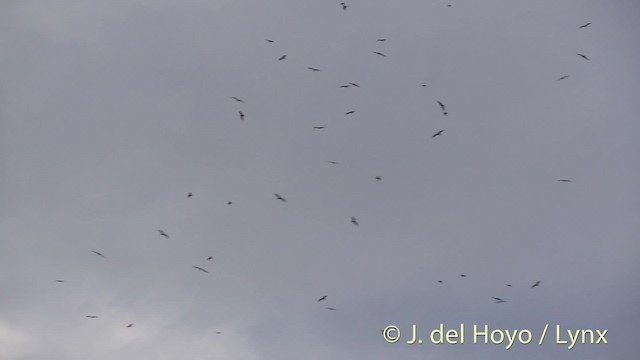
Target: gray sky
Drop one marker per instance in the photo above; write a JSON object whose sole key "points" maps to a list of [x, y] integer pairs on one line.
{"points": [[112, 111]]}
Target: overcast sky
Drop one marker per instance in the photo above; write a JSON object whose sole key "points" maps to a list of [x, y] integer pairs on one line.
{"points": [[111, 112]]}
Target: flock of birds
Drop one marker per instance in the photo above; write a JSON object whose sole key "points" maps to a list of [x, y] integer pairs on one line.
{"points": [[353, 219]]}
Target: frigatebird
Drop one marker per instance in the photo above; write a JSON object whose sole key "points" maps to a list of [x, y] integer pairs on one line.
{"points": [[189, 195], [381, 40], [583, 56], [318, 127], [344, 6], [444, 111], [498, 300], [562, 77], [237, 99], [584, 26], [92, 316], [322, 298], [99, 254], [536, 284], [330, 308], [163, 233], [210, 258], [241, 115], [379, 53], [201, 269], [379, 178], [564, 180], [354, 221], [130, 325], [280, 197], [354, 84], [313, 69], [437, 134], [350, 112], [282, 57]]}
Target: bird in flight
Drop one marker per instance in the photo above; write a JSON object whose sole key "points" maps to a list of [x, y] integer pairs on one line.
{"points": [[562, 77], [463, 275], [60, 281], [379, 178], [91, 316], [333, 162], [354, 221], [344, 6], [201, 269], [162, 233], [218, 332], [564, 180], [322, 298], [437, 134], [584, 26], [189, 195], [313, 69], [280, 197], [444, 111], [210, 258], [229, 203], [379, 53], [282, 57], [269, 40], [354, 84], [330, 308], [130, 325], [318, 127], [237, 99], [583, 56], [241, 115], [536, 284], [99, 254], [440, 281], [344, 86], [509, 285], [498, 300], [350, 112], [381, 40]]}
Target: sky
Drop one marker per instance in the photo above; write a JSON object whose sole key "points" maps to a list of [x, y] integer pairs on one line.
{"points": [[112, 112]]}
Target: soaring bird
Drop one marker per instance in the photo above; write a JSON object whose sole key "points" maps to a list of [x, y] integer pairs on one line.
{"points": [[583, 56], [463, 275], [354, 221], [584, 26], [354, 84], [130, 325], [564, 180], [440, 281], [536, 284], [218, 332], [344, 6], [241, 115], [509, 285], [333, 162], [444, 111], [229, 202], [269, 40], [189, 195], [60, 281], [210, 258], [313, 69], [562, 77], [201, 269], [498, 300], [237, 99], [162, 233], [437, 134], [280, 197], [99, 254], [344, 86], [381, 40], [282, 57], [318, 127], [323, 298], [92, 316], [379, 53], [350, 112], [330, 308], [379, 178]]}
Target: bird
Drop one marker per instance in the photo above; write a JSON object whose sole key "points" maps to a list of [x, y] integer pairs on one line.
{"points": [[583, 56], [92, 316], [344, 6], [241, 115], [509, 285], [424, 85], [130, 325], [444, 111], [463, 275], [60, 281], [322, 298], [189, 195], [562, 77], [318, 127], [379, 53], [565, 180], [162, 233], [229, 202], [330, 308], [280, 197], [218, 332], [584, 26], [210, 258], [440, 281], [498, 300], [313, 69], [333, 162], [354, 221], [350, 112], [282, 57], [536, 284], [99, 254], [437, 134], [379, 178], [201, 269], [269, 40], [354, 84], [344, 86], [237, 99], [381, 40]]}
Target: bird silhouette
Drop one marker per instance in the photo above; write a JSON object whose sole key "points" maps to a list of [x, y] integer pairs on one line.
{"points": [[313, 69], [444, 111], [354, 84], [201, 269], [350, 112], [379, 53], [282, 57], [498, 300], [333, 162], [381, 40], [330, 308], [322, 298], [130, 325], [280, 197], [583, 56], [437, 134], [565, 180], [92, 316], [463, 275], [269, 40], [536, 284], [99, 254], [59, 281], [379, 178], [162, 233], [210, 258], [229, 203], [241, 115], [354, 221], [440, 281], [562, 77], [584, 26], [318, 127], [509, 285], [189, 195], [344, 6], [237, 99]]}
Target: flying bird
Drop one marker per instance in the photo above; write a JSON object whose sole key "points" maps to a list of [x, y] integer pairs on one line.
{"points": [[379, 53], [318, 127], [201, 269], [269, 40], [498, 300], [440, 281], [330, 308], [210, 258], [99, 254], [218, 332], [282, 57], [562, 77], [344, 6], [536, 284], [564, 180], [237, 99], [381, 40], [354, 221], [344, 86], [333, 162], [584, 26], [354, 84], [91, 316], [229, 203], [162, 233], [437, 134], [463, 275], [322, 298], [280, 197], [350, 112], [130, 325], [509, 285], [444, 111], [60, 281], [189, 195], [379, 178], [583, 56], [313, 69], [241, 115]]}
